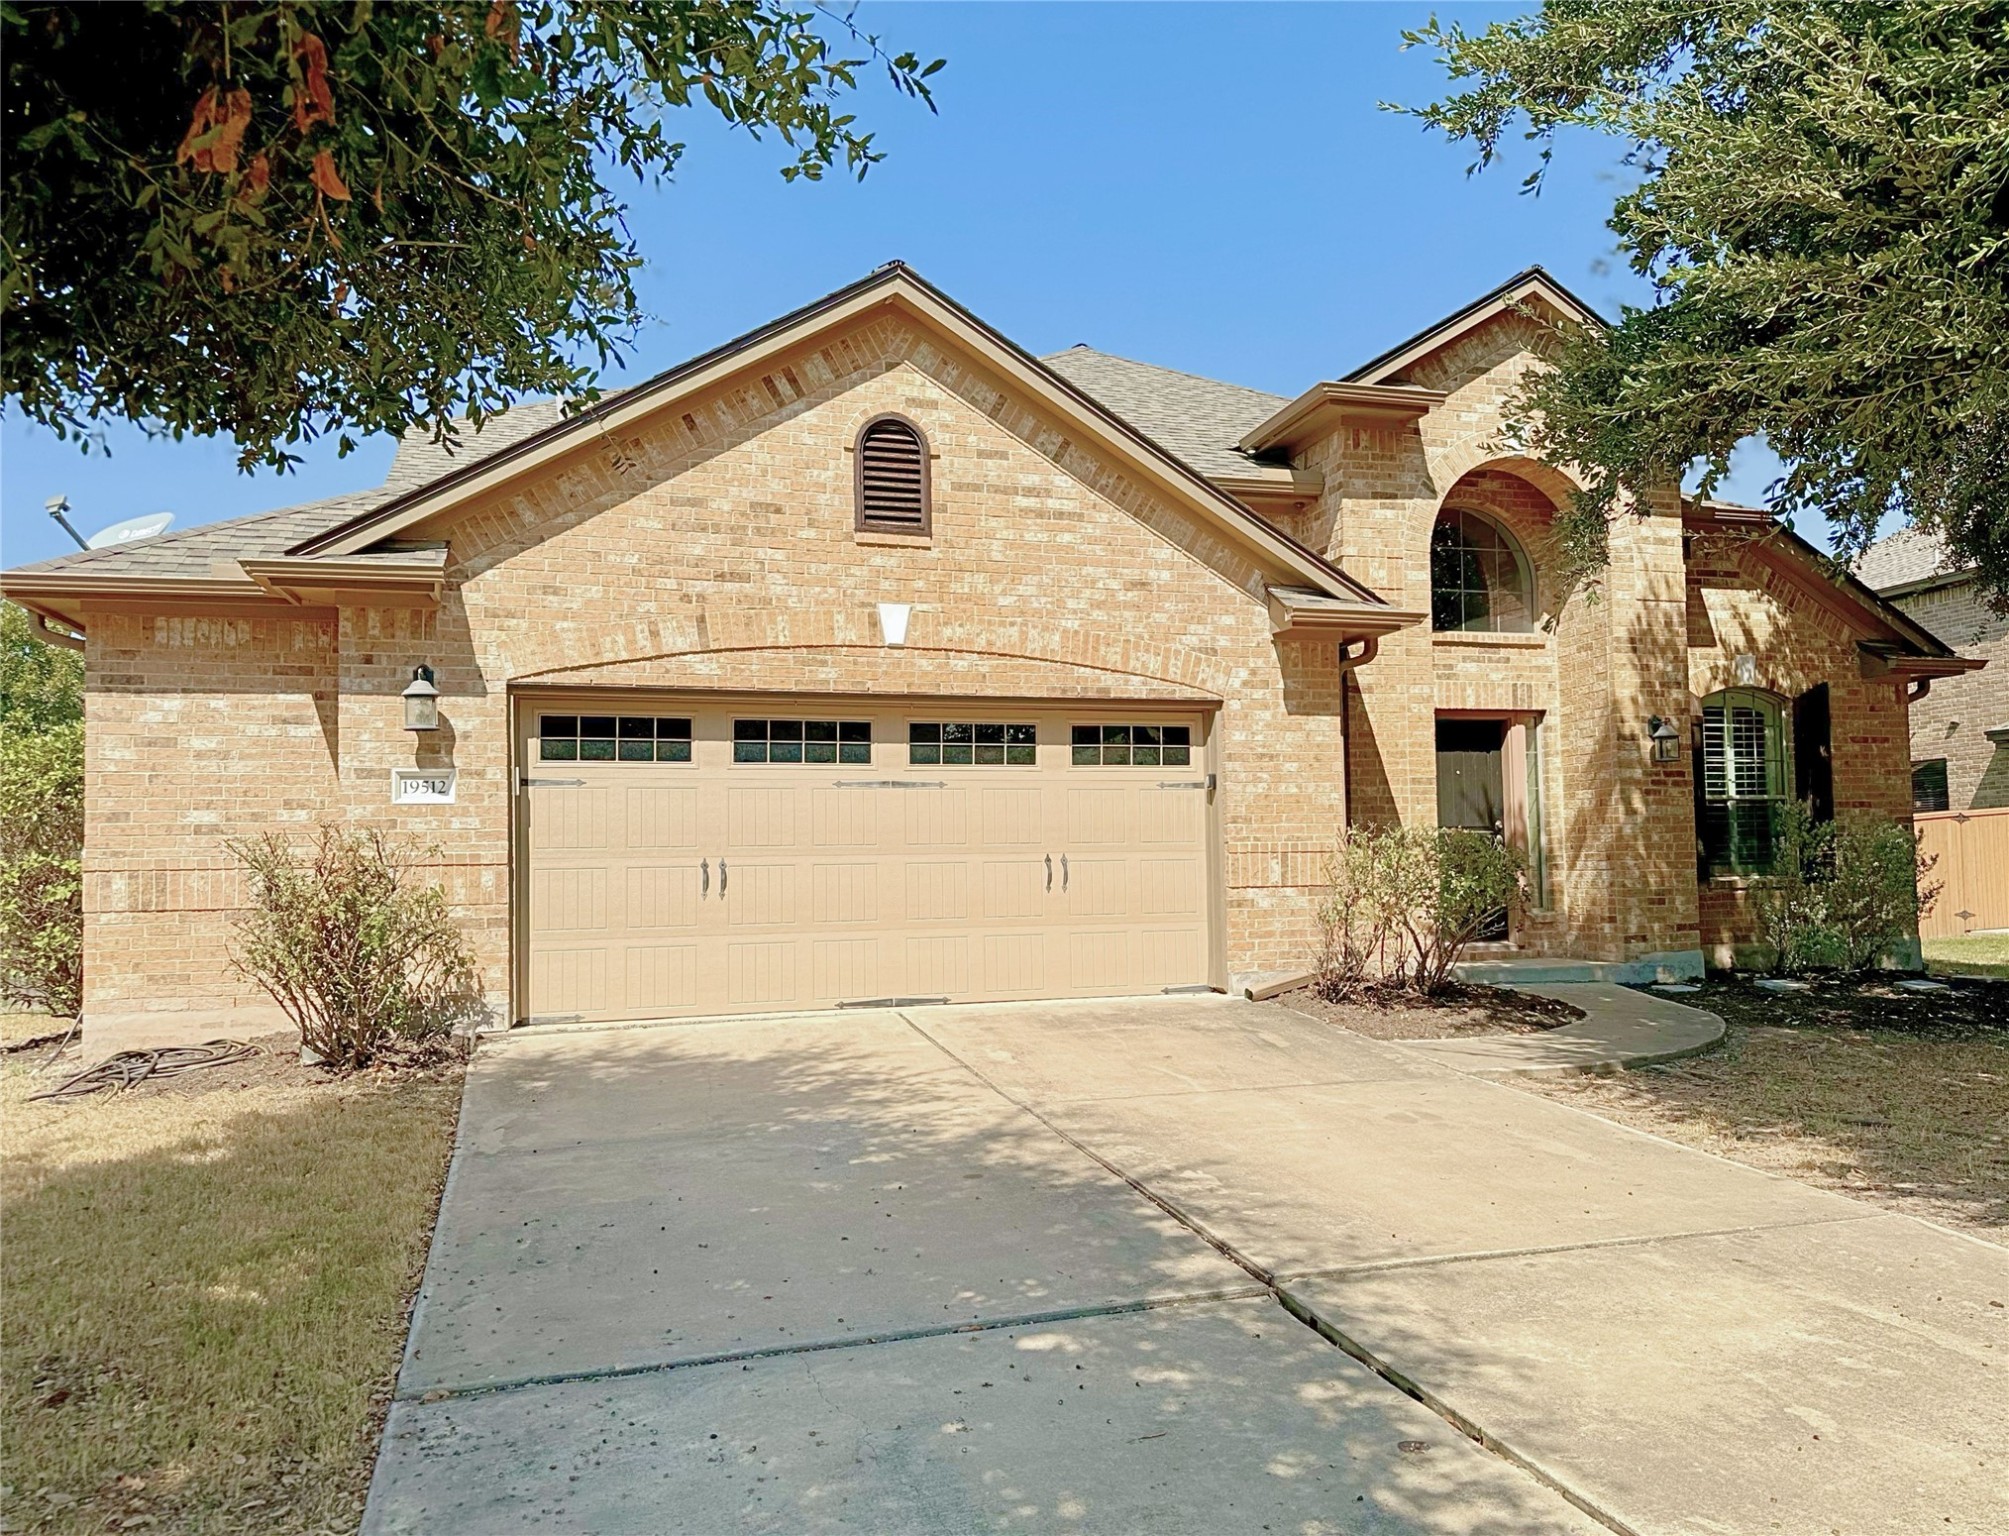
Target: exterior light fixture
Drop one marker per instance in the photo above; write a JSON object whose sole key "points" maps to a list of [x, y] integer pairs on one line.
{"points": [[1665, 738], [421, 700]]}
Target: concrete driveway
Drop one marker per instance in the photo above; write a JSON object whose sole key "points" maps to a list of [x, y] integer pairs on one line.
{"points": [[1076, 1266]]}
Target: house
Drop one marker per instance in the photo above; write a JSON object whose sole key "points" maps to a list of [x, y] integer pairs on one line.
{"points": [[869, 657], [1960, 731]]}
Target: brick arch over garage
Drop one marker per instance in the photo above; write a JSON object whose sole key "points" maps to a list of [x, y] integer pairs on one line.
{"points": [[745, 643], [875, 670]]}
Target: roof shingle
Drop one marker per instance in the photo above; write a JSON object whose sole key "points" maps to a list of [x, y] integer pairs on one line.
{"points": [[1904, 558], [1196, 420]]}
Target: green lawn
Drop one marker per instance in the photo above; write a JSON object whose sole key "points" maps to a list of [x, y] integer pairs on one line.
{"points": [[206, 1289], [1974, 954]]}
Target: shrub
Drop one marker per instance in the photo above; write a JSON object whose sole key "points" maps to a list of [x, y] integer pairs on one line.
{"points": [[359, 956], [1404, 902], [1878, 888], [1840, 894], [41, 867], [1478, 877], [1375, 877]]}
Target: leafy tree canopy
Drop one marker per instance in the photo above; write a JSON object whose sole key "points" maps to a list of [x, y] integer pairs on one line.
{"points": [[1823, 207], [272, 219], [41, 685]]}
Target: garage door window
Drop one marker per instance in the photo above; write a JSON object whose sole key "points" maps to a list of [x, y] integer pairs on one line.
{"points": [[613, 738], [802, 741], [1133, 746], [980, 743]]}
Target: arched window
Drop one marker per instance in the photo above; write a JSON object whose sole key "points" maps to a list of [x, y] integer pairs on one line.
{"points": [[1479, 578], [892, 477], [1744, 780]]}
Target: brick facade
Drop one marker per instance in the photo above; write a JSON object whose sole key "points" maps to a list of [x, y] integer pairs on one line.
{"points": [[1953, 720], [713, 548]]}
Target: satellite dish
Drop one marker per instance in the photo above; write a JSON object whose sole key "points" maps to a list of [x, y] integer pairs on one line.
{"points": [[131, 531]]}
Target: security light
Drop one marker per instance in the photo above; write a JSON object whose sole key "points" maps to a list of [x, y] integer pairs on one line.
{"points": [[421, 700]]}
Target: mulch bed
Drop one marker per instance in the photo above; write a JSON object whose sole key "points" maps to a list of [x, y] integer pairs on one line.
{"points": [[1458, 1011], [1971, 1008]]}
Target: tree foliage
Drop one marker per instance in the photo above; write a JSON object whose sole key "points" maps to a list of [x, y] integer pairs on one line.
{"points": [[41, 685], [41, 820], [272, 219], [1823, 207]]}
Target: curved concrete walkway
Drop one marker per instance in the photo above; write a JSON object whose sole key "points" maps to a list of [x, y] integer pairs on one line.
{"points": [[1620, 1029]]}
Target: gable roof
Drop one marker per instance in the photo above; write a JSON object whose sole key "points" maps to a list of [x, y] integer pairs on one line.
{"points": [[897, 285], [1533, 283], [1825, 580], [425, 479], [1906, 561]]}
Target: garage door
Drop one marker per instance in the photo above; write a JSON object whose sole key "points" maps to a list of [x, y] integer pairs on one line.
{"points": [[684, 859]]}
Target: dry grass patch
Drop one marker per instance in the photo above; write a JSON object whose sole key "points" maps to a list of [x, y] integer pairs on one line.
{"points": [[206, 1284], [1900, 1100]]}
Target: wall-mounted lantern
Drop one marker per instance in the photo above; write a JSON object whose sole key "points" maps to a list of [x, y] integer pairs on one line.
{"points": [[421, 700], [1665, 738]]}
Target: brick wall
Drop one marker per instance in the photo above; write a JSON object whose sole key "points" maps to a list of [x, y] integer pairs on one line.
{"points": [[1952, 721], [1736, 607], [715, 547], [1617, 830]]}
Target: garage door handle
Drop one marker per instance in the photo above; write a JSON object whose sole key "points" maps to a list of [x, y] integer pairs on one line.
{"points": [[705, 871], [1063, 873], [721, 877], [1049, 871]]}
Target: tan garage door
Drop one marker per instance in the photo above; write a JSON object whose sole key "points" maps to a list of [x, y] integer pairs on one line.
{"points": [[687, 859]]}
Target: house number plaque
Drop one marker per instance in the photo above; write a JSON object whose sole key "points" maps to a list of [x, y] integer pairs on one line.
{"points": [[422, 786]]}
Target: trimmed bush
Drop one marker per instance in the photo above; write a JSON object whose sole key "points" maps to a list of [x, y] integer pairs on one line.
{"points": [[1403, 903], [362, 958], [1841, 895]]}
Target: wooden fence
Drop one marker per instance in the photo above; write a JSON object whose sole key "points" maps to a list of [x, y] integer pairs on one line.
{"points": [[1972, 848]]}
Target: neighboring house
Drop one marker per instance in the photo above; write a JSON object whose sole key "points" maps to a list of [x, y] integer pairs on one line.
{"points": [[869, 657], [1960, 730]]}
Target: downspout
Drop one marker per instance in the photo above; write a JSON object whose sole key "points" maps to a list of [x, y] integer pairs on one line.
{"points": [[1348, 660], [1920, 687]]}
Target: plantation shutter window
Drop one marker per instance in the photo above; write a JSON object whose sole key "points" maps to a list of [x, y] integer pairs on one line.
{"points": [[893, 477], [1743, 781]]}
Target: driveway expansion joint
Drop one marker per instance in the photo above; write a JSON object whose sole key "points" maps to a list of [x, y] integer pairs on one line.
{"points": [[1298, 1310], [438, 1394]]}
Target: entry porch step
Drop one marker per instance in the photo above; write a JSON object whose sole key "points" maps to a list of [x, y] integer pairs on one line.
{"points": [[1529, 970]]}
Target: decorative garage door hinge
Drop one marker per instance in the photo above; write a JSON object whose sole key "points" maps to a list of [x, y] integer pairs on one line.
{"points": [[1206, 783], [527, 782]]}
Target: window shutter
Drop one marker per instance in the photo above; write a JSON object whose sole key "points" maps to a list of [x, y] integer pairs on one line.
{"points": [[892, 477], [1813, 766]]}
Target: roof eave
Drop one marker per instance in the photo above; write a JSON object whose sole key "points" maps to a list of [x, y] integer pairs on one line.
{"points": [[324, 581], [1534, 282], [1306, 615], [1800, 562], [1329, 403]]}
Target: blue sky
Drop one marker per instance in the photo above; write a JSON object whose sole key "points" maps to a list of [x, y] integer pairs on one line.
{"points": [[1209, 187]]}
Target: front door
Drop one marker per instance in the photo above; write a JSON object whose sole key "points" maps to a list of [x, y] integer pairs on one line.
{"points": [[1472, 788]]}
